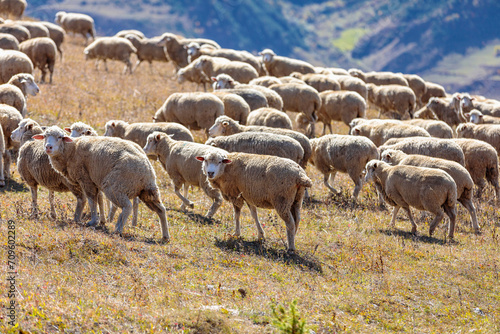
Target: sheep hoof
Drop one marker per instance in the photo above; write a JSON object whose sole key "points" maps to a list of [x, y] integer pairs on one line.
{"points": [[2, 184], [191, 205], [165, 240], [414, 230], [52, 215], [91, 223]]}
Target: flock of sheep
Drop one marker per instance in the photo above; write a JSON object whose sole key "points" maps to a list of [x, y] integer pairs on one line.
{"points": [[252, 155]]}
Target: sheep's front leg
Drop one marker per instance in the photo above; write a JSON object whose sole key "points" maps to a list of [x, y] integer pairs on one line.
{"points": [[327, 178], [52, 206], [135, 211], [394, 214], [436, 221], [102, 213], [185, 201], [237, 212], [92, 194], [413, 224], [253, 212]]}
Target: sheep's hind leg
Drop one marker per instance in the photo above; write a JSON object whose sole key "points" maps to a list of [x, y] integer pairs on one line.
{"points": [[287, 216], [237, 212], [253, 212], [52, 206], [413, 224], [327, 178], [34, 202], [102, 213], [92, 194], [394, 215], [152, 200], [436, 221], [135, 211], [124, 203], [472, 211], [185, 201]]}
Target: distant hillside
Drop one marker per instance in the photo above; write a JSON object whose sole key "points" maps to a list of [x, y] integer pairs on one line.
{"points": [[420, 37]]}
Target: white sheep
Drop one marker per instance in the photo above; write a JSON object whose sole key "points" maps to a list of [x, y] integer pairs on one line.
{"points": [[270, 117], [13, 96], [213, 66], [468, 103], [353, 84], [76, 23], [433, 90], [114, 48], [260, 181], [14, 8], [147, 50], [234, 106], [13, 62], [265, 81], [417, 84], [8, 42], [392, 98], [280, 66], [9, 121], [79, 129], [379, 78], [56, 33], [477, 117], [253, 97], [446, 109], [379, 133], [36, 29], [192, 74], [438, 129], [42, 52], [320, 82], [489, 133]]}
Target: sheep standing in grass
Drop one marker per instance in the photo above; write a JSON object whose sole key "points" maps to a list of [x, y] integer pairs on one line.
{"points": [[117, 167], [271, 118], [8, 42], [279, 66], [344, 154], [458, 172], [42, 52], [379, 133], [489, 133], [76, 23], [18, 31], [56, 33], [426, 189], [213, 66], [147, 50], [13, 62], [234, 106], [9, 121], [178, 159], [260, 181], [379, 78], [114, 48], [392, 98], [14, 8], [477, 117]]}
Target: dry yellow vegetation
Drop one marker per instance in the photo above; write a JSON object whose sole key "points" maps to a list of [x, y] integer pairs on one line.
{"points": [[352, 273]]}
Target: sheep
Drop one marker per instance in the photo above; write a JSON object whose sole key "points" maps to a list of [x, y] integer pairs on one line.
{"points": [[77, 24], [396, 98], [8, 42], [14, 8], [425, 113], [225, 81], [260, 143], [433, 90], [417, 84], [13, 96], [489, 133], [344, 154], [139, 132], [289, 79], [358, 121], [423, 188], [56, 33], [225, 126], [331, 71], [260, 181], [458, 172], [2, 153], [379, 78], [320, 82], [265, 81], [467, 104], [477, 117], [302, 99], [117, 167], [193, 110], [13, 62], [115, 48], [9, 121], [433, 147], [438, 129], [269, 117], [79, 129], [18, 31], [379, 133], [178, 159], [42, 53], [254, 98], [192, 74], [446, 109], [26, 83], [481, 160], [213, 66], [137, 33], [36, 29], [147, 50], [234, 106], [340, 106], [279, 66], [353, 84]]}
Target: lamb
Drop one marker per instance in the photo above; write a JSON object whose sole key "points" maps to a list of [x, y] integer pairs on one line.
{"points": [[481, 160], [438, 129], [193, 110], [42, 53], [423, 188], [137, 33], [433, 90], [344, 154], [117, 167], [459, 174], [265, 81], [260, 181], [56, 33], [139, 132], [320, 82], [396, 98], [178, 159], [477, 117], [353, 84], [147, 50], [9, 121], [192, 74], [234, 106], [8, 42], [14, 8], [13, 62], [76, 23], [446, 109], [36, 29], [467, 104], [433, 147], [225, 126], [379, 133], [13, 96], [417, 84], [213, 66], [115, 48], [379, 78], [269, 117], [18, 31], [279, 66], [489, 133], [302, 99], [260, 143]]}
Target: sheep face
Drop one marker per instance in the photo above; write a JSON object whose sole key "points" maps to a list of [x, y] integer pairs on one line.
{"points": [[392, 157], [80, 129], [267, 57], [475, 116], [181, 77], [110, 129], [152, 143], [466, 101], [463, 129], [214, 164], [223, 81], [30, 86], [371, 169], [218, 129], [58, 17], [55, 138], [24, 126]]}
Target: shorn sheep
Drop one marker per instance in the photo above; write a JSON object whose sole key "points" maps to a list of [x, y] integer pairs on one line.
{"points": [[14, 8], [344, 154], [118, 168], [42, 52], [458, 172], [13, 62], [426, 189], [114, 48], [178, 159], [260, 181], [76, 23], [489, 133], [270, 117], [279, 66]]}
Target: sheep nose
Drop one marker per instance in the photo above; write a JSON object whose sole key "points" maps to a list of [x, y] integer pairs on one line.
{"points": [[48, 148], [210, 174]]}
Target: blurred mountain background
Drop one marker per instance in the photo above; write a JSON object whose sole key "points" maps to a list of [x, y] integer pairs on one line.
{"points": [[451, 42]]}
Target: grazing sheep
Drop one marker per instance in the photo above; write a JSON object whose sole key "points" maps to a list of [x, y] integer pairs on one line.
{"points": [[56, 33], [139, 132], [344, 154], [117, 167], [320, 82], [433, 147], [225, 126], [8, 42], [269, 117], [77, 24], [9, 121], [178, 159], [13, 96], [137, 33], [438, 129], [26, 83], [147, 50], [265, 81], [417, 84], [260, 181], [193, 110], [396, 98], [353, 84], [302, 99], [433, 90], [458, 172], [379, 133], [254, 98], [379, 78], [481, 160], [234, 106], [36, 29], [192, 74], [279, 66], [468, 103], [213, 66], [18, 31], [445, 109], [115, 48], [14, 8], [42, 53], [13, 62], [423, 188], [489, 133], [477, 117], [260, 143]]}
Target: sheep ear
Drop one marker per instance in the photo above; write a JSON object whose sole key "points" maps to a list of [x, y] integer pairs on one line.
{"points": [[467, 114], [23, 80], [154, 118], [39, 137], [375, 165], [67, 130], [113, 124], [157, 137], [214, 79], [200, 158], [88, 133], [67, 139], [226, 161], [29, 126], [356, 131]]}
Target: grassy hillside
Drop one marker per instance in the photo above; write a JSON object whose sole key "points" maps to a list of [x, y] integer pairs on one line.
{"points": [[352, 272]]}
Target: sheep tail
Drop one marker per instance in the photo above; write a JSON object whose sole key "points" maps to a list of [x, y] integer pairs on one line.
{"points": [[304, 181]]}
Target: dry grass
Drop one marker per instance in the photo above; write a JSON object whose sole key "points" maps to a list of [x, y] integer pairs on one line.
{"points": [[352, 273]]}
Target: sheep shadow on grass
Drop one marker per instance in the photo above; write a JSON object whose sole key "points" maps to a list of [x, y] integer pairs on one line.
{"points": [[195, 217], [413, 237], [270, 251], [12, 185]]}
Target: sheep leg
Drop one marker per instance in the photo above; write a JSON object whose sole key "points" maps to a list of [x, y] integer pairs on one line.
{"points": [[112, 211], [52, 207], [34, 202], [105, 65], [286, 215], [51, 69], [296, 206], [413, 224], [44, 73], [436, 221], [2, 175], [394, 214], [102, 213], [467, 203], [237, 212], [253, 212], [151, 197], [452, 214], [126, 207], [138, 62], [135, 211], [330, 176], [215, 195], [97, 65], [185, 201], [7, 158], [324, 129], [80, 203], [358, 184], [92, 194]]}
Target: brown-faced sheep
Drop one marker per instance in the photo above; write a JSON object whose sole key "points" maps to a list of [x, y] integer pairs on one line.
{"points": [[392, 98], [18, 31], [42, 53], [114, 48], [379, 133], [76, 23], [14, 8], [270, 117], [213, 66], [280, 66], [8, 42], [235, 106], [13, 62], [379, 78], [489, 133]]}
